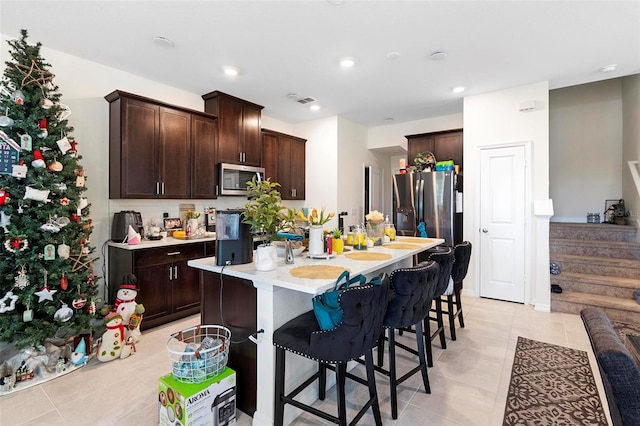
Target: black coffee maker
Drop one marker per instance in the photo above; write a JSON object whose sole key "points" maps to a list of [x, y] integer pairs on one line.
{"points": [[234, 242]]}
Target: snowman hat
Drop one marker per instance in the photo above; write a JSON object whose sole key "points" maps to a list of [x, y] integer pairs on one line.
{"points": [[129, 282]]}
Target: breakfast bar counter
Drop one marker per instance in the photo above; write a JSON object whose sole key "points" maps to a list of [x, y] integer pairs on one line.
{"points": [[254, 300]]}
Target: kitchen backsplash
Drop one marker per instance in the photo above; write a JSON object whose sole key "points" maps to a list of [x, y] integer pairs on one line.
{"points": [[152, 210]]}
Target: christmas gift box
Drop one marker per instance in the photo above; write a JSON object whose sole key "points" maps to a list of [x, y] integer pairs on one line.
{"points": [[211, 402]]}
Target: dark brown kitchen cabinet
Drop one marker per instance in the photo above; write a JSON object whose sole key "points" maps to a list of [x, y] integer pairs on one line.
{"points": [[150, 149], [444, 145], [169, 288], [204, 177], [283, 159], [239, 139]]}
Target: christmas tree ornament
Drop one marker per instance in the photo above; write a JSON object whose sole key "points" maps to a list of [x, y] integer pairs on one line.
{"points": [[78, 263], [5, 120], [56, 166], [62, 221], [18, 97], [16, 244], [63, 314], [79, 181], [26, 142], [36, 194], [64, 145], [79, 303], [27, 315], [9, 153], [61, 187], [64, 112], [91, 309], [46, 103], [5, 221], [21, 280], [20, 209], [9, 298], [50, 227], [38, 159], [64, 201], [73, 152], [64, 251], [33, 74], [42, 125], [82, 203], [64, 283], [46, 293], [49, 252], [4, 197], [19, 170], [74, 217]]}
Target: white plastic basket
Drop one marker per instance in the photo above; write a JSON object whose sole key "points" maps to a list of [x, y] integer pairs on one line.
{"points": [[199, 353]]}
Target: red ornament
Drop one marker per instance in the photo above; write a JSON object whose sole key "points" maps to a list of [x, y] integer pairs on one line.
{"points": [[4, 197], [79, 303], [64, 283], [42, 124], [74, 218], [15, 242]]}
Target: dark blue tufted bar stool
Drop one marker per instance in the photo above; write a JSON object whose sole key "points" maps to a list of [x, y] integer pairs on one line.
{"points": [[443, 256], [462, 255], [412, 291], [364, 309]]}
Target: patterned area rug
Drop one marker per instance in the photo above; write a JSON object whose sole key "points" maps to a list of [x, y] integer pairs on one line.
{"points": [[552, 385]]}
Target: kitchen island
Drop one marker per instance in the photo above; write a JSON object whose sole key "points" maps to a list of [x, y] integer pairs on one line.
{"points": [[274, 298]]}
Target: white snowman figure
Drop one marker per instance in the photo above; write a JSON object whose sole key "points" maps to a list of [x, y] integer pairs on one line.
{"points": [[126, 306], [110, 346]]}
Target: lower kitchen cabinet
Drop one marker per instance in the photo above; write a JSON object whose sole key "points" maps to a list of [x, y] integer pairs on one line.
{"points": [[169, 288]]}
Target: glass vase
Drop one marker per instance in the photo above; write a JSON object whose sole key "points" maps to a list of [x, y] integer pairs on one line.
{"points": [[375, 232]]}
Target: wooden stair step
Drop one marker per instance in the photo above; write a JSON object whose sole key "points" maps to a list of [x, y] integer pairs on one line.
{"points": [[593, 231], [596, 284], [614, 249], [595, 265], [617, 309]]}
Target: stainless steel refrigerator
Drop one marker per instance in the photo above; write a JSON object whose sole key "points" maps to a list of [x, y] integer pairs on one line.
{"points": [[429, 198]]}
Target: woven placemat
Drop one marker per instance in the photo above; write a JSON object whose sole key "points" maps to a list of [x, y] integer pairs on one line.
{"points": [[365, 255], [401, 246], [317, 272], [414, 240]]}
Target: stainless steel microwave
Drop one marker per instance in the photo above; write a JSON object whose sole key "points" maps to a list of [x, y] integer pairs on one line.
{"points": [[233, 178]]}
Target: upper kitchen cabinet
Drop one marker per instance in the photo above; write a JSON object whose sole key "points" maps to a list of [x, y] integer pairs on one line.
{"points": [[444, 145], [150, 149], [204, 137], [239, 139], [283, 159]]}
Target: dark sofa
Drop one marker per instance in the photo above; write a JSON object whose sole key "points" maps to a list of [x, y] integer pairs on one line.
{"points": [[620, 373]]}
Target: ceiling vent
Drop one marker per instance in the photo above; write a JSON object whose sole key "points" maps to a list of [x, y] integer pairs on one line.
{"points": [[305, 101]]}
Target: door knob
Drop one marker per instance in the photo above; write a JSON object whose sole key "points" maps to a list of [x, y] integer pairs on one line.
{"points": [[485, 230]]}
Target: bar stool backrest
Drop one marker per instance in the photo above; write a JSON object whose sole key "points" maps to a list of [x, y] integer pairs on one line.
{"points": [[462, 255], [412, 290], [444, 258], [363, 308]]}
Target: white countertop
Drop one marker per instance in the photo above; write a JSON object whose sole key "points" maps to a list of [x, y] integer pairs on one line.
{"points": [[281, 277], [164, 242]]}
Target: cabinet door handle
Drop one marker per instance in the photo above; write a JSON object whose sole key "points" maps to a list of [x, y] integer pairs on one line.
{"points": [[162, 188], [157, 188], [173, 253], [175, 272], [170, 273], [240, 155], [294, 192], [217, 193]]}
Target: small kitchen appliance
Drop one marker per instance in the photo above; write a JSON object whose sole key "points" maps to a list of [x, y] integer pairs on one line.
{"points": [[234, 242], [121, 222], [224, 408]]}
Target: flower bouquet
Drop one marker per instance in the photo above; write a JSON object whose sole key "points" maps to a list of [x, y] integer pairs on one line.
{"points": [[375, 227]]}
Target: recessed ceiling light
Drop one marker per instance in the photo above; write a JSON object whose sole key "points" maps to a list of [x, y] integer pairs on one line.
{"points": [[231, 71], [609, 68], [293, 95], [393, 55], [458, 89], [439, 56], [388, 120], [162, 41], [314, 107], [347, 62]]}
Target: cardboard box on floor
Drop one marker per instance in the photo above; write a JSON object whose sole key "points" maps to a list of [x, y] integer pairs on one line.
{"points": [[212, 402]]}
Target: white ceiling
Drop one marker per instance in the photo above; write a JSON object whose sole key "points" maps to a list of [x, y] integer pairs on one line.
{"points": [[284, 47]]}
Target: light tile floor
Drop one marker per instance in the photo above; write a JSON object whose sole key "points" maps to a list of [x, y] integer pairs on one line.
{"points": [[469, 380]]}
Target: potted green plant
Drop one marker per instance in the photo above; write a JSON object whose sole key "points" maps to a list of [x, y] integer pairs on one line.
{"points": [[263, 213]]}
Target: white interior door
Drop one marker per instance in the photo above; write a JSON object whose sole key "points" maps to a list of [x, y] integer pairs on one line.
{"points": [[502, 223], [376, 189]]}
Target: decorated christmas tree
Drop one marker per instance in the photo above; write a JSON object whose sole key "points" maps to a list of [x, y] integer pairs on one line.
{"points": [[47, 287]]}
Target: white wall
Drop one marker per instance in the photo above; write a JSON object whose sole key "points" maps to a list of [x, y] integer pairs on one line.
{"points": [[630, 141], [585, 135], [393, 135], [494, 119]]}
